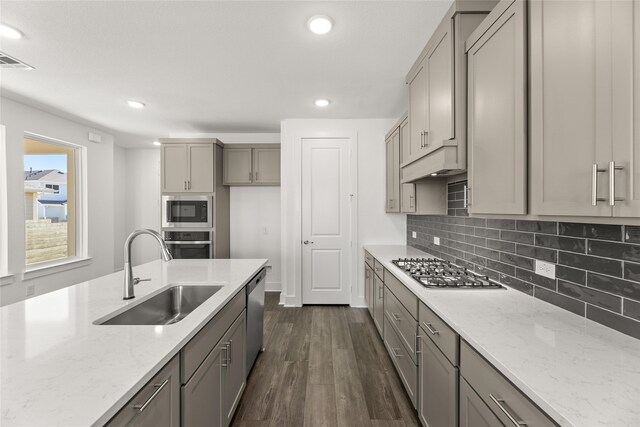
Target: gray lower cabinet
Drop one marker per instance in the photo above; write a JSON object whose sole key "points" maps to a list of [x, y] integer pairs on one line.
{"points": [[211, 395], [202, 395], [497, 112], [507, 403], [438, 386], [157, 404], [368, 288], [234, 373], [473, 411], [378, 303], [407, 369]]}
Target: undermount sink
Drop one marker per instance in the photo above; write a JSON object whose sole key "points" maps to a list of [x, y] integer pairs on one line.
{"points": [[168, 307]]}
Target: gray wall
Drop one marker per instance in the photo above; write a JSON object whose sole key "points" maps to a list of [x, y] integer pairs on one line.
{"points": [[597, 271]]}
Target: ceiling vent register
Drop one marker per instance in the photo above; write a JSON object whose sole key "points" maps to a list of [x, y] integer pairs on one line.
{"points": [[7, 61]]}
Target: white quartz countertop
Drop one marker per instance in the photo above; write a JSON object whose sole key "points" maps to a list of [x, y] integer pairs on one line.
{"points": [[579, 372], [59, 369]]}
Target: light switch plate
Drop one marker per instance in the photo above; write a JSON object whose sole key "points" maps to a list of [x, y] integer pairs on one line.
{"points": [[414, 234], [436, 240], [546, 269]]}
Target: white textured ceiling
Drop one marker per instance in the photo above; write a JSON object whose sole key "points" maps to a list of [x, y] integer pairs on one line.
{"points": [[214, 66]]}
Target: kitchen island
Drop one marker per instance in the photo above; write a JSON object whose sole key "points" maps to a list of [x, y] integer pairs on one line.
{"points": [[58, 368]]}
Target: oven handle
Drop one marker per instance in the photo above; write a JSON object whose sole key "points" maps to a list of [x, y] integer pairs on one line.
{"points": [[182, 242]]}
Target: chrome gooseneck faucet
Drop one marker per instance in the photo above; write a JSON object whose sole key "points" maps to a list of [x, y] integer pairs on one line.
{"points": [[129, 280]]}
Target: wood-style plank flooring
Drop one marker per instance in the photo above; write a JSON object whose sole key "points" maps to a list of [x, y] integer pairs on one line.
{"points": [[322, 366]]}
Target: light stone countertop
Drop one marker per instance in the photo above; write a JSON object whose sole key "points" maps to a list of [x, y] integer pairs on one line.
{"points": [[579, 372], [59, 369]]}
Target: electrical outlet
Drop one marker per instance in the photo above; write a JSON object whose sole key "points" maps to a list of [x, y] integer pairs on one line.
{"points": [[31, 290], [436, 240], [546, 269], [414, 234]]}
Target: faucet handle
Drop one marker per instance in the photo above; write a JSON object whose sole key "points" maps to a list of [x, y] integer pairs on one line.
{"points": [[137, 280]]}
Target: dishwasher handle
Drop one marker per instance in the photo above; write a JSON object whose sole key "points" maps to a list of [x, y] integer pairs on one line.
{"points": [[256, 280]]}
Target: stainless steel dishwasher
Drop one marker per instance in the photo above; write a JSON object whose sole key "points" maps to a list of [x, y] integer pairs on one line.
{"points": [[255, 317]]}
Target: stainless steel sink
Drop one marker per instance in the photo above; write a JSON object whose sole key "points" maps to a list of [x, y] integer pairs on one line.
{"points": [[169, 306]]}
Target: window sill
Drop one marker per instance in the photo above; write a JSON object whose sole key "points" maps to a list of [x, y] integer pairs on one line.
{"points": [[53, 267], [6, 279]]}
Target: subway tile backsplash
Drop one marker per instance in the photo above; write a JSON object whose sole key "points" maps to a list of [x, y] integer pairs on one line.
{"points": [[597, 265]]}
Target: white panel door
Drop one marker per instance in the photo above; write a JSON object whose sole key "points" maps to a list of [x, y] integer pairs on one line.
{"points": [[326, 231]]}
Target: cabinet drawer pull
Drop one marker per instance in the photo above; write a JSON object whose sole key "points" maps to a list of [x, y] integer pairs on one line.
{"points": [[159, 388], [612, 183], [428, 326], [396, 352], [396, 317], [500, 403], [595, 170]]}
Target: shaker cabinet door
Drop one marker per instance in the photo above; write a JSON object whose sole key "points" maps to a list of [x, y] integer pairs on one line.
{"points": [[473, 411], [175, 168], [202, 394], [570, 74], [497, 133], [237, 166], [266, 166], [417, 113], [234, 374], [200, 168]]}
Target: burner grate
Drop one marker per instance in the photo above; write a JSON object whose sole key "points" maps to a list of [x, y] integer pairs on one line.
{"points": [[440, 274]]}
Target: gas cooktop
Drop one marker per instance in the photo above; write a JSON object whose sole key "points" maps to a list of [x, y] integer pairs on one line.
{"points": [[439, 274]]}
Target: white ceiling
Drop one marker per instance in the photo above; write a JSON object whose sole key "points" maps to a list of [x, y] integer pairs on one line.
{"points": [[215, 66]]}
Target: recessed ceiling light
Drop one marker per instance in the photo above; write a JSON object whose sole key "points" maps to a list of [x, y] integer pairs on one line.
{"points": [[320, 24], [9, 32], [136, 104], [322, 102], [156, 143]]}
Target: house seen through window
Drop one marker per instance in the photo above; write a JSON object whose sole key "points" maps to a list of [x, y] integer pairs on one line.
{"points": [[49, 201]]}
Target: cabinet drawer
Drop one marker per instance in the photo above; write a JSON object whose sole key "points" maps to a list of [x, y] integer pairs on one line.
{"points": [[157, 404], [407, 370], [368, 258], [505, 400], [404, 295], [404, 324], [378, 268], [440, 333], [194, 353]]}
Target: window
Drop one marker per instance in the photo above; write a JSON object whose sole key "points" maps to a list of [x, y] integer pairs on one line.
{"points": [[51, 200]]}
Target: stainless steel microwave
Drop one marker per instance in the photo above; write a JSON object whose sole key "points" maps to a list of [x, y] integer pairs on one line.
{"points": [[187, 211]]}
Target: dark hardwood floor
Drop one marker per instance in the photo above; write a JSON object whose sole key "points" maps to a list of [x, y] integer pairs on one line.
{"points": [[322, 366]]}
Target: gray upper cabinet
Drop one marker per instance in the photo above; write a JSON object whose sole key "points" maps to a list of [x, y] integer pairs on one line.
{"points": [[571, 105], [237, 166], [157, 404], [407, 191], [497, 132], [393, 172], [251, 165], [437, 96], [626, 114], [187, 167], [266, 166]]}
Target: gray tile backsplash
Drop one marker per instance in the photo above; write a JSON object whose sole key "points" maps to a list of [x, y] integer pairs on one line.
{"points": [[597, 265]]}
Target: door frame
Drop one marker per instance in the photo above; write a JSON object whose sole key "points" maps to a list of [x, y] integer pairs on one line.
{"points": [[291, 205]]}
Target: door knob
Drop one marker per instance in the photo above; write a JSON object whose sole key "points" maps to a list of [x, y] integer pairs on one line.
{"points": [[307, 242]]}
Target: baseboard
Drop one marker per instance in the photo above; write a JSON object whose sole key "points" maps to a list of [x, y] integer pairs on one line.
{"points": [[273, 286]]}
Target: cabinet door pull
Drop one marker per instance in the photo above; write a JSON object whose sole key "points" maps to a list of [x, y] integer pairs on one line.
{"points": [[418, 338], [426, 138], [256, 176], [250, 177], [595, 170], [188, 185], [430, 329], [229, 344], [159, 388], [380, 295], [185, 185], [500, 402], [612, 183], [411, 200]]}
